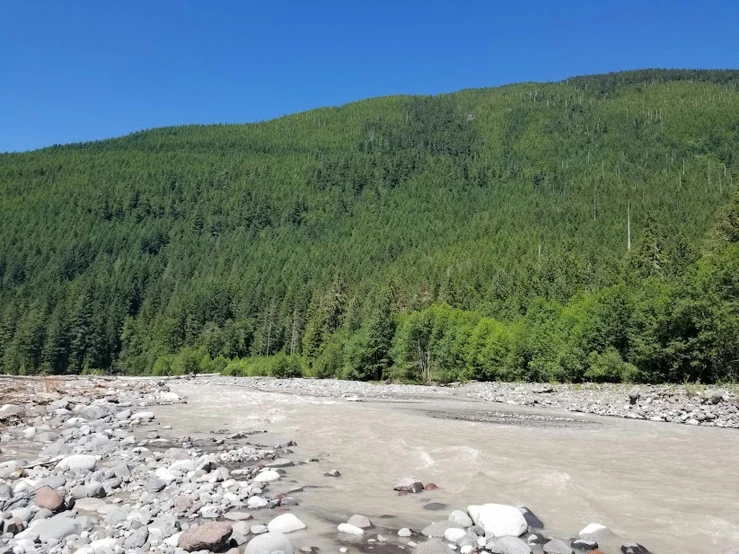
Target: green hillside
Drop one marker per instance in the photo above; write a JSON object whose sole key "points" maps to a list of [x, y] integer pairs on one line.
{"points": [[480, 234]]}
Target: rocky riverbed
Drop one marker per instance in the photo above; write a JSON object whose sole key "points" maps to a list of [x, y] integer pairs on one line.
{"points": [[709, 406], [86, 467]]}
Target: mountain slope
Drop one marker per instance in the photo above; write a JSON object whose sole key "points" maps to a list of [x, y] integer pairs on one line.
{"points": [[230, 237]]}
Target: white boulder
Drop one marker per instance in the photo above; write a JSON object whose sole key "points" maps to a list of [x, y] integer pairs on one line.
{"points": [[77, 462], [498, 520], [348, 529], [285, 523], [267, 476]]}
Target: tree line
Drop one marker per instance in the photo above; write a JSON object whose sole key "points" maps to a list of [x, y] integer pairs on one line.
{"points": [[477, 235]]}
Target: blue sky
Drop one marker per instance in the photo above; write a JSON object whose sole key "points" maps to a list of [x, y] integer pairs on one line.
{"points": [[84, 70]]}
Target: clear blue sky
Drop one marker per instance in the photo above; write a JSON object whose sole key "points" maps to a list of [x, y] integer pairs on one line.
{"points": [[88, 69]]}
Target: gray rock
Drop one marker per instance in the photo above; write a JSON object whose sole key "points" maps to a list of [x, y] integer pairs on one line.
{"points": [[269, 543], [46, 436], [11, 411], [122, 471], [137, 539], [437, 529], [360, 521], [43, 513], [79, 491], [510, 545], [460, 518], [91, 505], [6, 493], [24, 514], [53, 481], [167, 525], [155, 485], [432, 546], [56, 528], [95, 490], [10, 467], [116, 516], [210, 512]]}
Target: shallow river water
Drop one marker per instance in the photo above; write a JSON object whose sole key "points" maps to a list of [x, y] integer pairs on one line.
{"points": [[673, 488]]}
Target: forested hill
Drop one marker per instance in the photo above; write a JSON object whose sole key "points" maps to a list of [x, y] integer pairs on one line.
{"points": [[480, 234]]}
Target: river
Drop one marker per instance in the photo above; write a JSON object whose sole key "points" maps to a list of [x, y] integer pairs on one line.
{"points": [[672, 488]]}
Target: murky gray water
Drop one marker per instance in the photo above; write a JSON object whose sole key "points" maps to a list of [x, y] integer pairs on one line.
{"points": [[673, 488]]}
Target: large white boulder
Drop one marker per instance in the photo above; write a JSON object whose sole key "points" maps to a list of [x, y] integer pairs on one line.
{"points": [[77, 462], [267, 476], [285, 523], [498, 520]]}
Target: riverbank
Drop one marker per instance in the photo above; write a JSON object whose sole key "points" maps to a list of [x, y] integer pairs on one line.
{"points": [[710, 406], [138, 464]]}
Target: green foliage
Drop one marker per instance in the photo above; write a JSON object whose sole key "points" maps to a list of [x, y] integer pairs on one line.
{"points": [[280, 365], [475, 235], [609, 367], [330, 363]]}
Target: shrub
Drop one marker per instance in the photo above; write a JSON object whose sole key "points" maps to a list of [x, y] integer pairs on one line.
{"points": [[608, 367]]}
